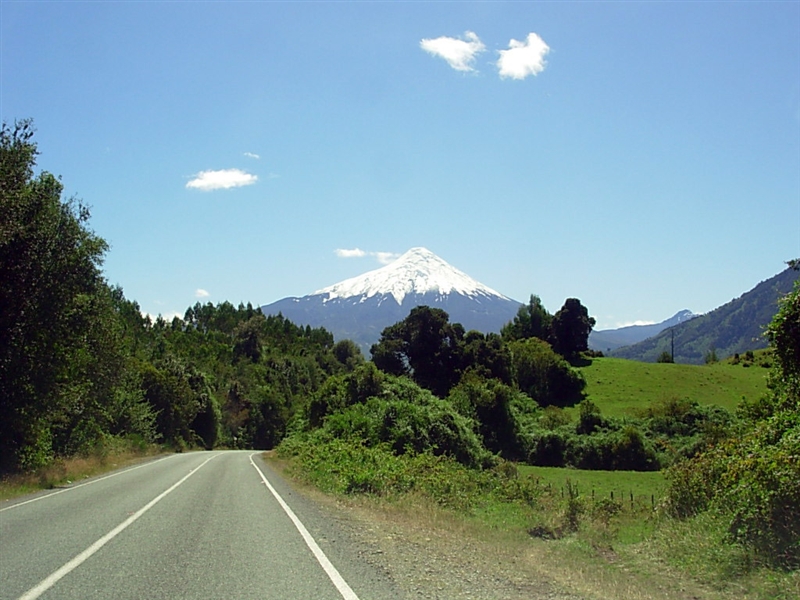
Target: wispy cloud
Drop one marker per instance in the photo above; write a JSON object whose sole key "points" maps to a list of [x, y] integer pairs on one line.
{"points": [[523, 58], [382, 257], [221, 180], [346, 253], [251, 155], [201, 293], [638, 323], [459, 53], [385, 257]]}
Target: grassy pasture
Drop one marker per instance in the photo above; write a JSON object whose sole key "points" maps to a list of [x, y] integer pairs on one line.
{"points": [[642, 484], [623, 387]]}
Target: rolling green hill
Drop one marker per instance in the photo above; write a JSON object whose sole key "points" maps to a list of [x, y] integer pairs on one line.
{"points": [[623, 387]]}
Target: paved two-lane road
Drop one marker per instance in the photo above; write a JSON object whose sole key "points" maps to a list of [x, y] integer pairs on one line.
{"points": [[197, 525]]}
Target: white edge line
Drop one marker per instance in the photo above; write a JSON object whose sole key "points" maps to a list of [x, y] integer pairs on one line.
{"points": [[341, 585], [75, 487], [56, 576]]}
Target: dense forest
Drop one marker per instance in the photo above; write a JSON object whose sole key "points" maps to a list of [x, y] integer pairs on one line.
{"points": [[81, 366]]}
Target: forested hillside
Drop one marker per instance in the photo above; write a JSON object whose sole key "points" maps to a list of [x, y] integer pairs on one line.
{"points": [[733, 328]]}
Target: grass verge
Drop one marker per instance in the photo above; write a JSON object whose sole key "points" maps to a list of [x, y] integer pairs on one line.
{"points": [[113, 454], [547, 521]]}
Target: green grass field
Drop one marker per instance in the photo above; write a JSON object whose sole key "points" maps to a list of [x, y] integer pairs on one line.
{"points": [[642, 484], [623, 387]]}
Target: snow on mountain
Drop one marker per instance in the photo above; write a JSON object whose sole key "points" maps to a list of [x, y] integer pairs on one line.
{"points": [[611, 339], [418, 271], [361, 307]]}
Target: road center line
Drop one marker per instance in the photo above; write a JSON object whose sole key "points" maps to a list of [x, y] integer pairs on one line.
{"points": [[341, 585], [56, 576]]}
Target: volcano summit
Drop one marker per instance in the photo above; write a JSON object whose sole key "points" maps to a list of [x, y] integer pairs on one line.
{"points": [[361, 307]]}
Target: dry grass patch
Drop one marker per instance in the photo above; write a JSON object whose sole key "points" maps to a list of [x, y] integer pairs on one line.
{"points": [[65, 471]]}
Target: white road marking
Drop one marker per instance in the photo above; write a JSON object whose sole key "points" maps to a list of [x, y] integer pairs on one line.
{"points": [[56, 576], [341, 585], [75, 487]]}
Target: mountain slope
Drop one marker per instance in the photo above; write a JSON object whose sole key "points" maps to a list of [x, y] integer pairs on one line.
{"points": [[732, 328], [361, 307], [607, 340]]}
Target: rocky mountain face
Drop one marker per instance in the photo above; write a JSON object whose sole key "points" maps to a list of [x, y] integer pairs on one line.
{"points": [[361, 307]]}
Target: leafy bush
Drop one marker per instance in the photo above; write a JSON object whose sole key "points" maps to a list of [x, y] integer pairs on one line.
{"points": [[501, 413], [544, 375], [341, 391], [380, 409], [348, 466], [751, 481], [427, 425]]}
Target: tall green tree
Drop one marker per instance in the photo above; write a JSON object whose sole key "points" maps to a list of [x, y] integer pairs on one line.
{"points": [[425, 345], [532, 321], [571, 328], [58, 346]]}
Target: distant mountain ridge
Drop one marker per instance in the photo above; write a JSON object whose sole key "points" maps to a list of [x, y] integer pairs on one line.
{"points": [[735, 327], [607, 340], [360, 308]]}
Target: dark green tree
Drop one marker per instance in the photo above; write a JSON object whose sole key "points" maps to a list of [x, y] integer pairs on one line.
{"points": [[426, 346], [750, 479], [571, 328], [487, 356], [348, 354], [532, 320], [59, 350]]}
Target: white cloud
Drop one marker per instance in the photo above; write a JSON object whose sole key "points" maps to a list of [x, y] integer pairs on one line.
{"points": [[354, 253], [251, 155], [523, 58], [221, 180], [383, 257], [459, 54], [201, 293], [639, 323]]}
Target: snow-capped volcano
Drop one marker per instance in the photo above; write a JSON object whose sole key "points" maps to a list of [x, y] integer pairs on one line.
{"points": [[418, 271], [361, 307]]}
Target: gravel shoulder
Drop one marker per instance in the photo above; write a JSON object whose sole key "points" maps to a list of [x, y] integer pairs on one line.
{"points": [[426, 554]]}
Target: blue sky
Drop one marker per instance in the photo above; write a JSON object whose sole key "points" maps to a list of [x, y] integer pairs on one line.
{"points": [[641, 156]]}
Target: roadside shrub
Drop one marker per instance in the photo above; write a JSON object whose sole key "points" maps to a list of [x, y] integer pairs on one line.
{"points": [[349, 466], [341, 391], [751, 481], [409, 419], [501, 414], [548, 450], [595, 443]]}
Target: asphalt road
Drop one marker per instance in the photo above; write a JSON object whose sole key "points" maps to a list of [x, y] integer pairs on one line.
{"points": [[196, 525]]}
